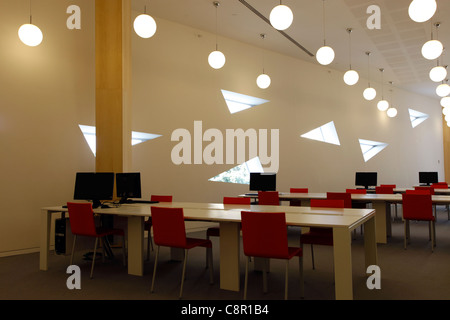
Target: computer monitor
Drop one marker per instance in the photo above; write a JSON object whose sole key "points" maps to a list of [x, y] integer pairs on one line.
{"points": [[428, 177], [128, 185], [261, 181], [94, 186], [366, 179]]}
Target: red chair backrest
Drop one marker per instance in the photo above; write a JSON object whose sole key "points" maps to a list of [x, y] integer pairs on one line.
{"points": [[440, 185], [389, 185], [384, 190], [356, 191], [168, 227], [417, 206], [268, 198], [264, 234], [326, 203], [81, 218], [299, 190], [409, 191], [236, 200], [347, 197], [161, 198], [425, 188]]}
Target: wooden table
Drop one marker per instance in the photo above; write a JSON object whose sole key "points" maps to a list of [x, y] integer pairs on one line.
{"points": [[343, 221]]}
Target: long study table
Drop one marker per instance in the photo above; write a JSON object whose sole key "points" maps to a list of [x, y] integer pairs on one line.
{"points": [[343, 221]]}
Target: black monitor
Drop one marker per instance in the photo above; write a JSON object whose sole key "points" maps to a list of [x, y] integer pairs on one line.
{"points": [[261, 181], [128, 185], [366, 179], [94, 186], [428, 177]]}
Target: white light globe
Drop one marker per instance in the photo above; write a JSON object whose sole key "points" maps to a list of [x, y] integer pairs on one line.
{"points": [[325, 55], [144, 25], [445, 102], [422, 10], [432, 49], [447, 118], [30, 35], [351, 77], [392, 112], [443, 90], [281, 17], [369, 93], [383, 105], [216, 59], [445, 111], [263, 81], [448, 124], [437, 74]]}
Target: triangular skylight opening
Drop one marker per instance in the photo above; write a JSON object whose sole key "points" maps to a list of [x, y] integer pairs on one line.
{"points": [[241, 173], [136, 137], [237, 102], [371, 148], [326, 133], [417, 117]]}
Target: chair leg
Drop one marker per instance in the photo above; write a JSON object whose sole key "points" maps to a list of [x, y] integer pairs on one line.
{"points": [[148, 246], [286, 282], [264, 273], [246, 277], [73, 249], [93, 257], [124, 252], [184, 272], [433, 235], [302, 281], [312, 257], [406, 238], [154, 268], [211, 268]]}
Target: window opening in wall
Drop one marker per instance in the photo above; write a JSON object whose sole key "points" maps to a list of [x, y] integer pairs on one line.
{"points": [[241, 173], [371, 148], [136, 137], [326, 133], [237, 102], [417, 117]]}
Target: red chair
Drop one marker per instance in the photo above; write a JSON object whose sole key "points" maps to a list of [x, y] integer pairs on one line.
{"points": [[169, 231], [297, 203], [264, 235], [356, 191], [82, 223], [431, 189], [439, 186], [410, 191], [418, 207], [148, 222], [320, 236], [268, 198], [386, 189]]}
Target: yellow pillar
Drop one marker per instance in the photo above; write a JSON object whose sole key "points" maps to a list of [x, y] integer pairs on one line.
{"points": [[446, 131]]}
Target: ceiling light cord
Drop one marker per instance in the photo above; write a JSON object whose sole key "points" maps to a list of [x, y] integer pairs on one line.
{"points": [[323, 22]]}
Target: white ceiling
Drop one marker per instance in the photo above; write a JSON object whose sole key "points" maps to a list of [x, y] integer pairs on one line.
{"points": [[396, 47]]}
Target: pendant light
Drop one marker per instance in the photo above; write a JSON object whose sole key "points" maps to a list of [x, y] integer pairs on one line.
{"points": [[325, 55], [144, 25], [281, 17], [422, 10], [438, 73], [443, 90], [369, 93], [382, 105], [263, 81], [432, 49], [445, 102], [391, 112], [351, 77], [216, 59], [30, 34]]}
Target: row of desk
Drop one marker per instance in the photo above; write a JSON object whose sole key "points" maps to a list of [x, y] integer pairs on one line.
{"points": [[342, 221]]}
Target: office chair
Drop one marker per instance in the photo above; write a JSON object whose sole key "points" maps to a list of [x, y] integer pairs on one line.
{"points": [[268, 198], [148, 222], [297, 203]]}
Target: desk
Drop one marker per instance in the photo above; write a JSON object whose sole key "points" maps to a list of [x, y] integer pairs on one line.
{"points": [[343, 221]]}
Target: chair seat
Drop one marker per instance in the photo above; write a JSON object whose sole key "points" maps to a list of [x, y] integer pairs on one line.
{"points": [[213, 232], [320, 236], [195, 242]]}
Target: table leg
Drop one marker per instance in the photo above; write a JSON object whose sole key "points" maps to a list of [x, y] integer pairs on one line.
{"points": [[45, 239], [343, 263], [370, 243], [381, 223], [229, 256], [136, 246]]}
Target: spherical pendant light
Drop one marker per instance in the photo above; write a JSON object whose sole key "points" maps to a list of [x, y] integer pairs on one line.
{"points": [[351, 77], [437, 74], [30, 34], [383, 105], [443, 90], [445, 102], [263, 81], [281, 17], [369, 93], [445, 111], [216, 59], [144, 25], [422, 10], [391, 112], [432, 49], [325, 55]]}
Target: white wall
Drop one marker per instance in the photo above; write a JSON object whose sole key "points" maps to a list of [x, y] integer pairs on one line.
{"points": [[48, 90]]}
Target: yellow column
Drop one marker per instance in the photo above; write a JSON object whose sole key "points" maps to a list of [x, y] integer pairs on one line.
{"points": [[446, 131]]}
